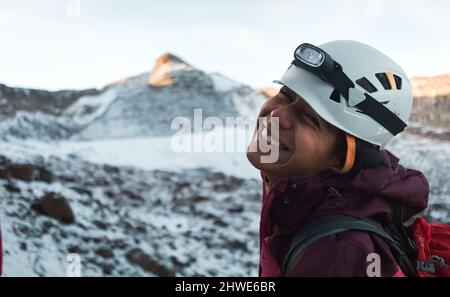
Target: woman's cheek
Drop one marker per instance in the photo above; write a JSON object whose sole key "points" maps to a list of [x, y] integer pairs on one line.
{"points": [[305, 140]]}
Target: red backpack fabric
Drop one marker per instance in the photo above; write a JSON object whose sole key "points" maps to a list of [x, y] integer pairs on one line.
{"points": [[433, 248]]}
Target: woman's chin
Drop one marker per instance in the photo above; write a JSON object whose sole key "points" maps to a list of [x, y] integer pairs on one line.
{"points": [[268, 161]]}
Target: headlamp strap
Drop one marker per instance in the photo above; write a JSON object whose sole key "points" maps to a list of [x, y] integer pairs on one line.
{"points": [[339, 80], [381, 114], [370, 106]]}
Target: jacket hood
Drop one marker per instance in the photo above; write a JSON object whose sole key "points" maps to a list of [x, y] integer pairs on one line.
{"points": [[395, 183]]}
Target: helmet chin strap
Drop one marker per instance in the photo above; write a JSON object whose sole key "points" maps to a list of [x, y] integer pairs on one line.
{"points": [[351, 153]]}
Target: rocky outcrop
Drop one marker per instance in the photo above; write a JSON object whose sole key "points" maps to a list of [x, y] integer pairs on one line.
{"points": [[147, 263], [172, 71], [26, 171], [433, 111], [164, 71], [425, 86], [13, 100], [55, 206]]}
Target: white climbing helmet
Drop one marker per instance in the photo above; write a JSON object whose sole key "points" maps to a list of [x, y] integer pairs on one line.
{"points": [[354, 87]]}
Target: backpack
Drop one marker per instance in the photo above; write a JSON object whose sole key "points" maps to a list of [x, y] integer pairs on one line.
{"points": [[421, 250]]}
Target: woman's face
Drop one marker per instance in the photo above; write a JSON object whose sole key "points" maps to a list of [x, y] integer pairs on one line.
{"points": [[308, 145]]}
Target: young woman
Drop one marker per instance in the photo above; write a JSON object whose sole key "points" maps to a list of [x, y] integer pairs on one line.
{"points": [[339, 105]]}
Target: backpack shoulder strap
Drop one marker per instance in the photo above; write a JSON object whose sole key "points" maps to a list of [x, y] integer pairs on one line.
{"points": [[333, 224]]}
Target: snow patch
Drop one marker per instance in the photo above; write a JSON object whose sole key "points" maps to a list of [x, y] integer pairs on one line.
{"points": [[89, 108]]}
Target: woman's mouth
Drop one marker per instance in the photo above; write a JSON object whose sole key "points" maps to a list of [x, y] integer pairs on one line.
{"points": [[271, 141]]}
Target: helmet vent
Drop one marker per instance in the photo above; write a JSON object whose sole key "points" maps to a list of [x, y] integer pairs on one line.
{"points": [[398, 81], [382, 77], [335, 96], [366, 84]]}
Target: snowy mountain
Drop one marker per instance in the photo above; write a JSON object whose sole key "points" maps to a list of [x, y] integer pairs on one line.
{"points": [[93, 172], [138, 106]]}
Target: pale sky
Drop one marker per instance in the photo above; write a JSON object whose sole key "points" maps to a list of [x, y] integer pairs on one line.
{"points": [[60, 44]]}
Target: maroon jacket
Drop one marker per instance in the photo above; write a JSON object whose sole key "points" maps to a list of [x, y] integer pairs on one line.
{"points": [[292, 202]]}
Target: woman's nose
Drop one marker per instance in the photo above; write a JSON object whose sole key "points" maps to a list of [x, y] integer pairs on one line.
{"points": [[282, 113]]}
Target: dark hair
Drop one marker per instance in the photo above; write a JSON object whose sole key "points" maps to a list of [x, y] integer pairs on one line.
{"points": [[367, 155]]}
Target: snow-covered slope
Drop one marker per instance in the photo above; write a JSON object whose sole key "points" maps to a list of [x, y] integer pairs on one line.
{"points": [[131, 222], [147, 153]]}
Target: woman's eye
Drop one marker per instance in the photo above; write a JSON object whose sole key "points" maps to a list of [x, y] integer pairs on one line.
{"points": [[286, 95]]}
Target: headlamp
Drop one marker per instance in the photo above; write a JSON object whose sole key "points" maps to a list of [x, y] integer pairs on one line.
{"points": [[319, 62], [310, 55]]}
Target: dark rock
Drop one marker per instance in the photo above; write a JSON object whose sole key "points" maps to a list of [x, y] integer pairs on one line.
{"points": [[101, 181], [111, 169], [119, 244], [82, 191], [176, 262], [104, 252], [216, 176], [55, 206], [237, 245], [68, 178], [46, 226], [107, 269], [101, 225], [74, 249], [236, 209], [227, 185], [220, 222], [180, 187], [199, 198], [26, 172], [23, 246], [44, 175], [12, 188], [23, 172], [132, 195], [147, 263], [110, 194]]}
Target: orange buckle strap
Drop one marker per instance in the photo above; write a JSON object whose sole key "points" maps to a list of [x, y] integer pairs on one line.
{"points": [[351, 152]]}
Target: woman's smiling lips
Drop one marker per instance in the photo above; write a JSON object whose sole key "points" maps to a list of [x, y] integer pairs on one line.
{"points": [[269, 141]]}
